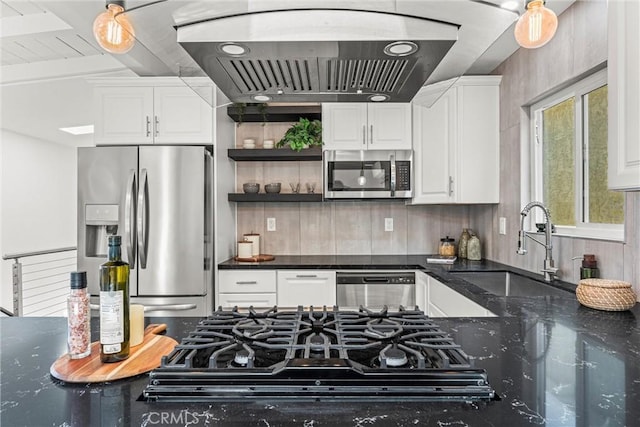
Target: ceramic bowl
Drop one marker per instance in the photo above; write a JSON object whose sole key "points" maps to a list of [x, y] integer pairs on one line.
{"points": [[272, 188], [251, 187]]}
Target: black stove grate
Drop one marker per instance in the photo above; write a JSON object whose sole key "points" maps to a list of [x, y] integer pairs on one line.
{"points": [[317, 354]]}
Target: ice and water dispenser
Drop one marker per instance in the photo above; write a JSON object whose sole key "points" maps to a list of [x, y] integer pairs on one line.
{"points": [[100, 221]]}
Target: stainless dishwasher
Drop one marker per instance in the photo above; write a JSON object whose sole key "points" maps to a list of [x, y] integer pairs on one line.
{"points": [[375, 289]]}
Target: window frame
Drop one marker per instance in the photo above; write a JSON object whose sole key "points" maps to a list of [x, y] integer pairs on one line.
{"points": [[582, 229]]}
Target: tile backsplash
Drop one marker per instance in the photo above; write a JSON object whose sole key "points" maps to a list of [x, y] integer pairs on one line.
{"points": [[351, 227]]}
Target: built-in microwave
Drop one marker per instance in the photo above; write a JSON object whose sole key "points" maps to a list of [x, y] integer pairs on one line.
{"points": [[370, 174]]}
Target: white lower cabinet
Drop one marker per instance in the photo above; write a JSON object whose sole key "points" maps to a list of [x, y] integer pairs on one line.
{"points": [[445, 302], [247, 300], [422, 283], [317, 288], [306, 288], [246, 288]]}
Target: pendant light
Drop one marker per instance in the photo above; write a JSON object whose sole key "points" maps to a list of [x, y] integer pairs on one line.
{"points": [[536, 26], [113, 30]]}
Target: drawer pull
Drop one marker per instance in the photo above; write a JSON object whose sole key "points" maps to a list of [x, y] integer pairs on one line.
{"points": [[247, 282], [306, 276]]}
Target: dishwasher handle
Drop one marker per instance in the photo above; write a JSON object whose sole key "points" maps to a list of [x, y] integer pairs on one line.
{"points": [[375, 280]]}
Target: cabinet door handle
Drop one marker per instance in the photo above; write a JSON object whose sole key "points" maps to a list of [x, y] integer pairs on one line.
{"points": [[364, 134], [371, 135], [148, 126], [450, 186], [156, 125], [247, 282]]}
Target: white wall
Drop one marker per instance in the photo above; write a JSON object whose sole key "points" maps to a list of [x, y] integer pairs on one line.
{"points": [[225, 181], [579, 47], [38, 187]]}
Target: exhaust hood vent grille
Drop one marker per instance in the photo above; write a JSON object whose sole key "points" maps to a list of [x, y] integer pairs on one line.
{"points": [[319, 55], [269, 75], [368, 75]]}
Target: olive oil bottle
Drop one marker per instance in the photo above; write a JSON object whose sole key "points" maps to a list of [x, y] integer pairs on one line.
{"points": [[114, 305]]}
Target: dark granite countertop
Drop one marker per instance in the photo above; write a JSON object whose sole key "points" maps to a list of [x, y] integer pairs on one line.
{"points": [[551, 361]]}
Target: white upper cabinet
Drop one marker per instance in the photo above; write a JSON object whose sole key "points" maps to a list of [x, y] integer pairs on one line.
{"points": [[139, 112], [624, 95], [366, 126], [456, 141], [123, 115]]}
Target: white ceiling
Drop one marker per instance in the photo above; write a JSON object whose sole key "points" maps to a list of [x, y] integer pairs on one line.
{"points": [[46, 50]]}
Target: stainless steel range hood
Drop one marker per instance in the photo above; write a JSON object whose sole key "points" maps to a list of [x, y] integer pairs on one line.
{"points": [[318, 55]]}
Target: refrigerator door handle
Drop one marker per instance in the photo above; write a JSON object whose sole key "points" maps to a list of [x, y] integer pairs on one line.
{"points": [[130, 218], [161, 307], [169, 307], [142, 219]]}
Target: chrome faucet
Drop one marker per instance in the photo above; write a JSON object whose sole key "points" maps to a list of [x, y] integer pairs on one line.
{"points": [[549, 270]]}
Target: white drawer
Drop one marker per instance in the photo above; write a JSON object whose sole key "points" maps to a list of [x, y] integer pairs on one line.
{"points": [[246, 300], [306, 288], [246, 281]]}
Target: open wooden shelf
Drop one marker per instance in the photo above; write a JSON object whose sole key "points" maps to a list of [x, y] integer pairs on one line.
{"points": [[276, 154], [276, 113], [273, 197]]}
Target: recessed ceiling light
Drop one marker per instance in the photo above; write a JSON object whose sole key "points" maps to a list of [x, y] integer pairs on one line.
{"points": [[262, 98], [378, 98], [400, 48], [234, 49], [78, 130], [510, 5]]}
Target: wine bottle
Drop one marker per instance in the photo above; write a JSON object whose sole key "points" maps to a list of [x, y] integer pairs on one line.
{"points": [[114, 305]]}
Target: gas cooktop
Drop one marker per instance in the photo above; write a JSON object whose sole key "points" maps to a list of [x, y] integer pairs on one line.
{"points": [[317, 354]]}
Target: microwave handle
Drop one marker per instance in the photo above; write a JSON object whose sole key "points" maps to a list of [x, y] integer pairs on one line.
{"points": [[392, 160]]}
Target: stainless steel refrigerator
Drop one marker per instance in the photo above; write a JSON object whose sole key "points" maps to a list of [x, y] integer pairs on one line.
{"points": [[160, 200]]}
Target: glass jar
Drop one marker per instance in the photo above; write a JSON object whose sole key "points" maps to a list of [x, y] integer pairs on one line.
{"points": [[473, 248], [447, 247]]}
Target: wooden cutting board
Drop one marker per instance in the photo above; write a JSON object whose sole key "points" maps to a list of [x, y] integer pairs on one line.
{"points": [[142, 358], [256, 258]]}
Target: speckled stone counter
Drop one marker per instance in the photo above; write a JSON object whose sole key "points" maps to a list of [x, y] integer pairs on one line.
{"points": [[551, 361]]}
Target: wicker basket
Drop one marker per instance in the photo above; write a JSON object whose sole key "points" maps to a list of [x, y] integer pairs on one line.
{"points": [[604, 294]]}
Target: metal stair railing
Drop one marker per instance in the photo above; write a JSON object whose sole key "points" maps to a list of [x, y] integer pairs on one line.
{"points": [[41, 283]]}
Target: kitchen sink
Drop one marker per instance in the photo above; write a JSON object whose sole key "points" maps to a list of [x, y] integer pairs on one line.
{"points": [[507, 284]]}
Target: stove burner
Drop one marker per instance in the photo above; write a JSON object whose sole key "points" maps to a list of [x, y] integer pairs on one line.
{"points": [[241, 357], [393, 357], [317, 343], [317, 354]]}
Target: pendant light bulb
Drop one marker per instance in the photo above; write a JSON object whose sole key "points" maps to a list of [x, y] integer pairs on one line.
{"points": [[114, 33], [362, 181], [536, 26]]}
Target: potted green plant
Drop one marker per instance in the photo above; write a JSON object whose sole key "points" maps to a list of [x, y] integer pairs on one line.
{"points": [[242, 107], [303, 134]]}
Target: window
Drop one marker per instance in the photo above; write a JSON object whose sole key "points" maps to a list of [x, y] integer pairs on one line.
{"points": [[569, 161]]}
